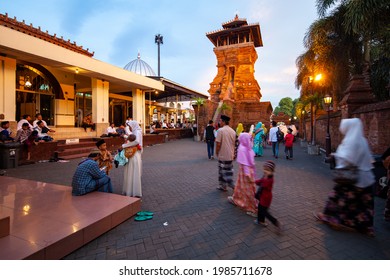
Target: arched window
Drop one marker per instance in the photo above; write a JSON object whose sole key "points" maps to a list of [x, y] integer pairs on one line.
{"points": [[36, 90]]}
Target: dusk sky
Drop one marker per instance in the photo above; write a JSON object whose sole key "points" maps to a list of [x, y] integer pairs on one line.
{"points": [[116, 30]]}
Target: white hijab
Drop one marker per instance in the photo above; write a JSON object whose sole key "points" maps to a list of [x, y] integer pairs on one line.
{"points": [[136, 130], [354, 147]]}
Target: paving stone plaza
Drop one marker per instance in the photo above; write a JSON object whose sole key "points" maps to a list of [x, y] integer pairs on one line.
{"points": [[193, 220]]}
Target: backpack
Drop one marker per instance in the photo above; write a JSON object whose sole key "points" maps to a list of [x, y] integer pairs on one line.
{"points": [[279, 135]]}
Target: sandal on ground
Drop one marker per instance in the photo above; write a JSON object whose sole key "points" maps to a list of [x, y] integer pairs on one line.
{"points": [[142, 218], [145, 213], [319, 217]]}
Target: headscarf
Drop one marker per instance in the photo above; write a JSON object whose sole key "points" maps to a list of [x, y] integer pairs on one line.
{"points": [[251, 129], [354, 147], [258, 126], [239, 129], [245, 154], [264, 129], [136, 130]]}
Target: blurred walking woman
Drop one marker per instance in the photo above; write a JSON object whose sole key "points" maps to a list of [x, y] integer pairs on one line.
{"points": [[258, 139], [352, 204]]}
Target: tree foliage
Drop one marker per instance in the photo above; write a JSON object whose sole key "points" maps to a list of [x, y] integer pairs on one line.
{"points": [[365, 24], [286, 106]]}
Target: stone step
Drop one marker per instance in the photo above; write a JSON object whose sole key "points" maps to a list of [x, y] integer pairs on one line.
{"points": [[80, 155], [63, 133], [83, 144], [75, 151]]}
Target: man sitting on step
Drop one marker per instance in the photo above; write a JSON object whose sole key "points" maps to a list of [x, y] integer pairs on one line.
{"points": [[88, 177]]}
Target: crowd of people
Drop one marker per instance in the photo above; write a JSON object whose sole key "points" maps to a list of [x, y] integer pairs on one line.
{"points": [[27, 134], [350, 205], [351, 202]]}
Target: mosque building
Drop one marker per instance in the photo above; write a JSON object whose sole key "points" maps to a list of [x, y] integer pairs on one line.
{"points": [[44, 73]]}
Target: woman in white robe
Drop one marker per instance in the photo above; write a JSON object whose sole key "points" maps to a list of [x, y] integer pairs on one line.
{"points": [[133, 169]]}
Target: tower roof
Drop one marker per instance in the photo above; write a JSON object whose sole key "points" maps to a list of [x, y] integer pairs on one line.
{"points": [[140, 67], [237, 25]]}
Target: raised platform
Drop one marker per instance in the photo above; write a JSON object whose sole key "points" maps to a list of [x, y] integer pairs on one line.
{"points": [[47, 222]]}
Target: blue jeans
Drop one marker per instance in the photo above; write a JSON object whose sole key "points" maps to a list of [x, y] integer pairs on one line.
{"points": [[275, 149], [104, 184], [210, 148]]}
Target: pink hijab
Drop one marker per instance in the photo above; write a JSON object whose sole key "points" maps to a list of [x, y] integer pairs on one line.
{"points": [[245, 154]]}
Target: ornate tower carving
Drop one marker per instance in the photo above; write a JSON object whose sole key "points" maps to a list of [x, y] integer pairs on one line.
{"points": [[236, 56]]}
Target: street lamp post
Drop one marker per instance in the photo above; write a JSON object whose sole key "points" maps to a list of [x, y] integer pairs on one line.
{"points": [[303, 127], [328, 102], [158, 39]]}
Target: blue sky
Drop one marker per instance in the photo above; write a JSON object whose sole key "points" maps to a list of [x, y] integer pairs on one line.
{"points": [[116, 30]]}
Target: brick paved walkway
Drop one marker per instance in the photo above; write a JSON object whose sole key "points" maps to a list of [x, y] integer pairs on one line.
{"points": [[193, 220]]}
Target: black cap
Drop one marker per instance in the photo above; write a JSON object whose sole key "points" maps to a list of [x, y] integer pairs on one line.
{"points": [[100, 142], [225, 118]]}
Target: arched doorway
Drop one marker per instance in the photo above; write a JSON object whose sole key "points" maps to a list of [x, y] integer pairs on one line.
{"points": [[34, 93]]}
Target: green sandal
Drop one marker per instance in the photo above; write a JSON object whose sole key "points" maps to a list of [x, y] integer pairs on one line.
{"points": [[145, 213], [142, 218]]}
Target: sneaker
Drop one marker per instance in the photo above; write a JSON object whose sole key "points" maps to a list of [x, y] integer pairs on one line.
{"points": [[212, 157], [252, 214], [286, 157], [222, 188], [264, 224]]}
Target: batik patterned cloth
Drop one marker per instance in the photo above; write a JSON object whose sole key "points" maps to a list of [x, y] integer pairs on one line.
{"points": [[352, 207], [225, 169], [244, 191]]}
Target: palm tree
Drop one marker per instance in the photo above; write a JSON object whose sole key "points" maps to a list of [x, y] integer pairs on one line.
{"points": [[223, 108], [198, 102], [301, 108], [368, 20]]}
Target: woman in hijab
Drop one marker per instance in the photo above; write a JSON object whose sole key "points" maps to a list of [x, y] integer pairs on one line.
{"points": [[352, 205], [245, 188], [133, 169], [239, 129], [258, 139]]}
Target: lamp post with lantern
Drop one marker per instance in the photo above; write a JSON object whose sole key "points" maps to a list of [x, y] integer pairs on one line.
{"points": [[328, 102], [317, 78]]}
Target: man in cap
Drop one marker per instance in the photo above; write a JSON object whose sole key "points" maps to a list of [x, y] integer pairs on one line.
{"points": [[225, 140]]}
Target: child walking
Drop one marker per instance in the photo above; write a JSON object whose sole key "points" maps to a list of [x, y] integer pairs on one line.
{"points": [[265, 198], [288, 144]]}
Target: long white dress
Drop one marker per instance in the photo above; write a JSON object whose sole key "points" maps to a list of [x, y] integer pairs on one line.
{"points": [[133, 169], [132, 176]]}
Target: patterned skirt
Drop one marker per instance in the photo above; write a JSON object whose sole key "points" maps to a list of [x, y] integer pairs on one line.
{"points": [[244, 192], [352, 207], [225, 173]]}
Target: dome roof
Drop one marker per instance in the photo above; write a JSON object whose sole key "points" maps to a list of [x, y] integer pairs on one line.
{"points": [[140, 67]]}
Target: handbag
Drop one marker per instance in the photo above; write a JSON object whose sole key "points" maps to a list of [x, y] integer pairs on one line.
{"points": [[346, 176]]}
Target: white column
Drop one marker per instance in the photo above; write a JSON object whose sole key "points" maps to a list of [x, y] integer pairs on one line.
{"points": [[139, 107], [100, 104], [7, 88]]}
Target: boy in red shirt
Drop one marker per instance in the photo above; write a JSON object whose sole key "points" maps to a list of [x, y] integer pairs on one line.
{"points": [[265, 195], [288, 144]]}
